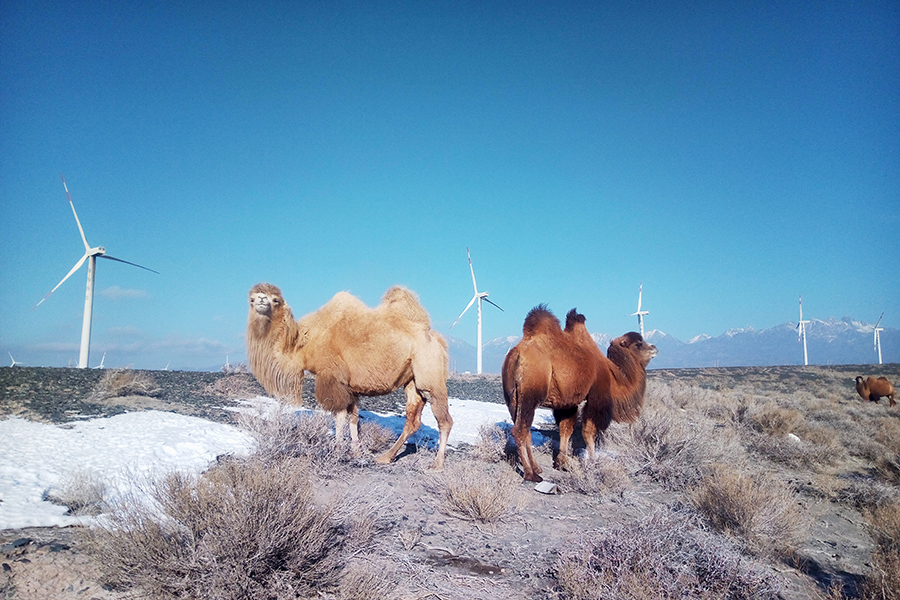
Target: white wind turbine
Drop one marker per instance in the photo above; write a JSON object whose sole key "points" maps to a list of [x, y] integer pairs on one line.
{"points": [[878, 331], [478, 296], [801, 332], [90, 254], [640, 314], [14, 362]]}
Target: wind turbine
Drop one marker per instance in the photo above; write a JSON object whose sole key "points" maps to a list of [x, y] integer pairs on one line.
{"points": [[640, 313], [100, 366], [478, 296], [90, 254], [877, 337], [14, 363], [801, 332]]}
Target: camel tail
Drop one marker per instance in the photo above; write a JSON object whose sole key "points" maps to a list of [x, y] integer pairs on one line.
{"points": [[510, 388]]}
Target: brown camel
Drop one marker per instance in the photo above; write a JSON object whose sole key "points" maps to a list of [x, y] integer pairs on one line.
{"points": [[872, 389], [354, 351], [560, 369]]}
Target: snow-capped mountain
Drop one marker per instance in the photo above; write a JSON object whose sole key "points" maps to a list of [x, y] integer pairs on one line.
{"points": [[829, 341]]}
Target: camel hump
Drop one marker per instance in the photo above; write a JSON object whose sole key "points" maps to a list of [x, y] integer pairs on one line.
{"points": [[884, 379], [405, 303], [573, 318], [540, 320]]}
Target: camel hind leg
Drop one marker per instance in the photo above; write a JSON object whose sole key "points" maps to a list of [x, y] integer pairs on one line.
{"points": [[414, 405], [522, 434], [565, 420], [440, 408]]}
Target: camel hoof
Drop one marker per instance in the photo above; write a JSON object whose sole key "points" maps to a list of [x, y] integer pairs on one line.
{"points": [[534, 477], [384, 459]]}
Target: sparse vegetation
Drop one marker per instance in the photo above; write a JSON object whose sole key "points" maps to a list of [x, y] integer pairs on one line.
{"points": [[82, 491], [474, 491], [116, 383], [664, 555]]}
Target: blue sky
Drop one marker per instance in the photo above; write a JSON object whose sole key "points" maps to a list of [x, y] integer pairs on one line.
{"points": [[730, 158]]}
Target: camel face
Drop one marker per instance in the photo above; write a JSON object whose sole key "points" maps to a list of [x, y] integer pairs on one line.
{"points": [[265, 300], [633, 342]]}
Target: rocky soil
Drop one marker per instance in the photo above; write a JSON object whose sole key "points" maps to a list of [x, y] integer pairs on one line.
{"points": [[441, 557]]}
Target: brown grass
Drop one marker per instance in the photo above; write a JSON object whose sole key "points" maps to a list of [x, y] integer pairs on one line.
{"points": [[474, 491], [760, 509], [244, 529], [661, 556], [116, 383], [882, 582]]}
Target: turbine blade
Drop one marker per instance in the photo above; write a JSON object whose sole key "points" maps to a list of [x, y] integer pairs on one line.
{"points": [[126, 262], [474, 285], [640, 293], [69, 196], [879, 320], [75, 268], [468, 306], [489, 302]]}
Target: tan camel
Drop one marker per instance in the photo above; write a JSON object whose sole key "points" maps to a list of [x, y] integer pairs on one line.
{"points": [[873, 389], [354, 351], [560, 369]]}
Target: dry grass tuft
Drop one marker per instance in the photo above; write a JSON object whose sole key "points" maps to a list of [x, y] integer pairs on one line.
{"points": [[760, 510], [236, 385], [244, 529], [773, 419], [601, 476], [883, 580], [662, 556], [494, 445], [82, 491], [116, 383], [473, 491]]}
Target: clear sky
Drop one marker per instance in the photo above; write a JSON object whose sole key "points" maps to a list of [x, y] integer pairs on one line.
{"points": [[729, 157]]}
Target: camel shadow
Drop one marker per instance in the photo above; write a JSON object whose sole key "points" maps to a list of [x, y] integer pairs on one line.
{"points": [[424, 437]]}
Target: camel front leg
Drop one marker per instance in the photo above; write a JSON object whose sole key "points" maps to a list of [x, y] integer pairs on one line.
{"points": [[414, 405]]}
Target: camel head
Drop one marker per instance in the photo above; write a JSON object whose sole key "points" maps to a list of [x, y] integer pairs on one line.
{"points": [[265, 300], [634, 343]]}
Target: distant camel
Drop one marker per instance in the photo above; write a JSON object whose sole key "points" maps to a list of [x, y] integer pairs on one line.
{"points": [[354, 351], [560, 369], [872, 389]]}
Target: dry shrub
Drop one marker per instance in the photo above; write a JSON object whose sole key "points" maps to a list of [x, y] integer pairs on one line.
{"points": [[287, 434], [671, 446], [473, 491], [760, 510], [82, 491], [662, 556], [773, 419], [375, 438], [362, 582], [882, 582], [236, 385], [244, 529], [494, 444], [600, 475], [789, 450], [116, 383]]}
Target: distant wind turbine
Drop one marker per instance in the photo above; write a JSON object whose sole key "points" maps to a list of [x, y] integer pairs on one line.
{"points": [[640, 314], [90, 254], [801, 332], [878, 331], [14, 363], [100, 366], [478, 296]]}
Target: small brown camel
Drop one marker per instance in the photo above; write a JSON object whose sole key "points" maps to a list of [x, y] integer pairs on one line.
{"points": [[353, 351], [560, 369], [873, 389]]}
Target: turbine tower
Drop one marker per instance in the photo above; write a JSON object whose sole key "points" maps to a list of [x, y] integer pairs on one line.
{"points": [[801, 332], [90, 254], [878, 337], [478, 296], [640, 313]]}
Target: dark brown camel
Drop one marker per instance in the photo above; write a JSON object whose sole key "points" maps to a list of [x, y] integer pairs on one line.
{"points": [[873, 389], [560, 369]]}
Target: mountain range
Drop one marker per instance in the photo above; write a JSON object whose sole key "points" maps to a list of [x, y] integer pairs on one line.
{"points": [[829, 342]]}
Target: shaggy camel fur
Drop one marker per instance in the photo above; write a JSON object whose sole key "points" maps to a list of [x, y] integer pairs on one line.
{"points": [[560, 369], [354, 351], [872, 389]]}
